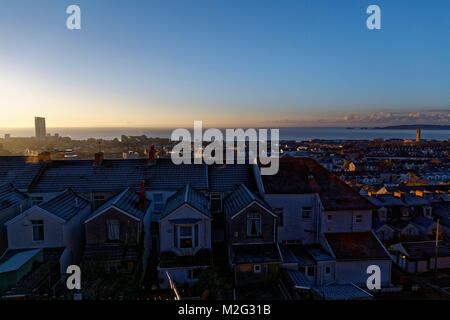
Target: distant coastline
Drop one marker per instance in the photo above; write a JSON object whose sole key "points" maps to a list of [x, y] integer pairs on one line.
{"points": [[415, 126]]}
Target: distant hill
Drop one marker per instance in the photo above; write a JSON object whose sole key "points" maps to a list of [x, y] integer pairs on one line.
{"points": [[415, 126]]}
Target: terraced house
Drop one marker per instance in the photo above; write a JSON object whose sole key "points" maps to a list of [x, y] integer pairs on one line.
{"points": [[303, 223]]}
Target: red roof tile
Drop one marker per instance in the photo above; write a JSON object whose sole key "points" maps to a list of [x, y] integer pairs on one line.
{"points": [[356, 246]]}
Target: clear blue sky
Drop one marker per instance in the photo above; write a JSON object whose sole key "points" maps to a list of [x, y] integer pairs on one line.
{"points": [[247, 62]]}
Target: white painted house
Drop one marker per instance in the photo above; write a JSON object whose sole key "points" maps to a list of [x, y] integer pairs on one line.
{"points": [[57, 223]]}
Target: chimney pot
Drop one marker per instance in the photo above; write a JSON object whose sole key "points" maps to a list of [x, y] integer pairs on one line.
{"points": [[151, 156]]}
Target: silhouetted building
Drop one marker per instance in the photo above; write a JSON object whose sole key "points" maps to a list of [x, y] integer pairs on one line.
{"points": [[39, 127]]}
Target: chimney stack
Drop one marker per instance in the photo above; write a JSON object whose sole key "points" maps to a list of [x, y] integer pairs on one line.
{"points": [[45, 156], [151, 155], [142, 196], [99, 158]]}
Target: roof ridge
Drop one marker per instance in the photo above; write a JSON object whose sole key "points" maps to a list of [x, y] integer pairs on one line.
{"points": [[186, 195], [119, 196], [248, 192]]}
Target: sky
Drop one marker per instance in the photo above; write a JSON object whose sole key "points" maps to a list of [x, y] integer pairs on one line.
{"points": [[252, 63]]}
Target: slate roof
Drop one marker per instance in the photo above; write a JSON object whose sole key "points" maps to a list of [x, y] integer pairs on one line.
{"points": [[442, 211], [415, 201], [166, 175], [356, 246], [342, 292], [10, 196], [400, 224], [186, 195], [49, 253], [18, 260], [335, 194], [128, 201], [113, 175], [426, 249], [65, 205], [423, 222], [255, 253], [226, 177], [377, 225], [386, 200], [19, 171], [84, 176], [240, 198], [303, 254], [298, 279]]}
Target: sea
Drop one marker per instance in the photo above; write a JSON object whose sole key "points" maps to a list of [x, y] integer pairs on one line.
{"points": [[286, 133]]}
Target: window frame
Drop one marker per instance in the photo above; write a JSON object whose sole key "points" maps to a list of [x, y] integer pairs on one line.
{"points": [[108, 222], [158, 203], [195, 237], [255, 217], [37, 224], [215, 197], [257, 266], [309, 210]]}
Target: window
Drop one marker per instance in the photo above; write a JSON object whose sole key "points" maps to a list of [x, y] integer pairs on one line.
{"points": [[158, 202], [279, 213], [310, 271], [358, 218], [302, 269], [216, 202], [98, 201], [253, 225], [36, 200], [306, 212], [186, 236], [327, 270], [113, 228], [330, 217], [38, 230], [257, 268]]}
